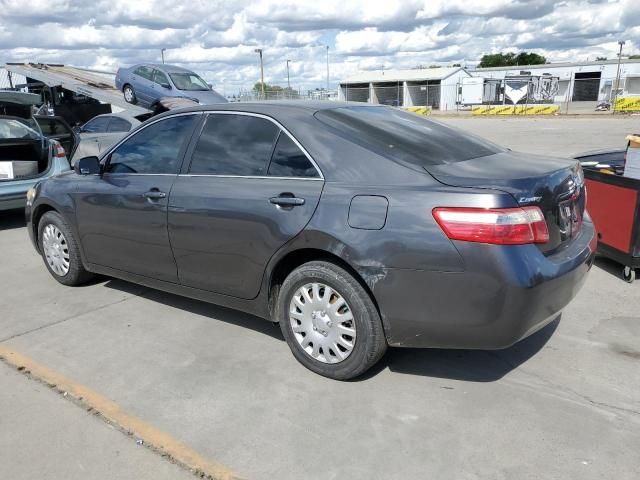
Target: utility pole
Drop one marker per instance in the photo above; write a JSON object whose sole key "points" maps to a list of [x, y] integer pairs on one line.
{"points": [[327, 71], [615, 92], [259, 51], [162, 53], [288, 82]]}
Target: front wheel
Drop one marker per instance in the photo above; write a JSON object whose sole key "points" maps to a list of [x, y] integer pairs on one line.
{"points": [[329, 321], [60, 250]]}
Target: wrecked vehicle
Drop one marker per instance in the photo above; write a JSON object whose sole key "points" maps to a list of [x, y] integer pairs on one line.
{"points": [[32, 147], [353, 227], [146, 84]]}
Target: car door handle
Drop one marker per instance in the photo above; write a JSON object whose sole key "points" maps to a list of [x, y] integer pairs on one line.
{"points": [[154, 194], [287, 201]]}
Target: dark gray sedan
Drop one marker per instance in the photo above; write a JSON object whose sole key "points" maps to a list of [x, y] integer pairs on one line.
{"points": [[353, 226]]}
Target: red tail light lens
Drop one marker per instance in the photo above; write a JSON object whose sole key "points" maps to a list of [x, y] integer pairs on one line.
{"points": [[58, 150], [501, 226]]}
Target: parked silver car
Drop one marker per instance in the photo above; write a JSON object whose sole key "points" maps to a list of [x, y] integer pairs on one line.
{"points": [[101, 132]]}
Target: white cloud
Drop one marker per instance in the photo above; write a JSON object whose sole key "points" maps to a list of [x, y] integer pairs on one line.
{"points": [[217, 38]]}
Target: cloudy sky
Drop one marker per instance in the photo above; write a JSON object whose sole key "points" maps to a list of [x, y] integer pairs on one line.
{"points": [[217, 39]]}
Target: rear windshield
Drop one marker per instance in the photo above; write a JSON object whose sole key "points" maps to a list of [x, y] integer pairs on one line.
{"points": [[13, 129], [405, 136]]}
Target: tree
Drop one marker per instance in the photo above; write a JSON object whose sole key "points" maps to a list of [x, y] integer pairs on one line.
{"points": [[598, 59], [510, 59], [634, 57], [275, 90]]}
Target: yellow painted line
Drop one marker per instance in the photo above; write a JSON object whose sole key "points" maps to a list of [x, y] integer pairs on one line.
{"points": [[151, 436]]}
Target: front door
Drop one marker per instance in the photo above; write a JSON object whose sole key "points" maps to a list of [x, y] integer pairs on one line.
{"points": [[122, 213], [249, 188]]}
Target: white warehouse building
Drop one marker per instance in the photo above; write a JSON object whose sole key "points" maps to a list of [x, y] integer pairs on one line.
{"points": [[440, 88], [578, 81], [434, 87]]}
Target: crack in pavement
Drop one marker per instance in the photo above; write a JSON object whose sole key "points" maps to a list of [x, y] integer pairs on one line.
{"points": [[562, 388], [66, 319]]}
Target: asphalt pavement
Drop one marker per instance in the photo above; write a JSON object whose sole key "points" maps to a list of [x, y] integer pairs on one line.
{"points": [[564, 403]]}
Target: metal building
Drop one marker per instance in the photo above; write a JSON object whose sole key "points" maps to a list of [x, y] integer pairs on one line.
{"points": [[433, 87], [578, 81]]}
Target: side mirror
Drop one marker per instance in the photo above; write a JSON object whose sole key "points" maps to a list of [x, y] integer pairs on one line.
{"points": [[165, 85], [87, 166], [76, 129]]}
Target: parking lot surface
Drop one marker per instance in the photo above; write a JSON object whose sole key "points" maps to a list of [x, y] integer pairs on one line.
{"points": [[564, 403]]}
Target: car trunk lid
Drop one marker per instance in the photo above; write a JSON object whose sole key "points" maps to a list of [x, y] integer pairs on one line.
{"points": [[554, 185]]}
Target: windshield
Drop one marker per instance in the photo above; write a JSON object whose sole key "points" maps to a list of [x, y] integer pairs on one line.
{"points": [[188, 81], [11, 129], [405, 136]]}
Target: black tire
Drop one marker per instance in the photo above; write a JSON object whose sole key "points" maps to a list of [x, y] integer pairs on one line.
{"points": [[370, 342], [132, 99], [76, 274]]}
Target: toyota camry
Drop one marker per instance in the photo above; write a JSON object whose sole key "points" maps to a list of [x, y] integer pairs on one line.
{"points": [[354, 227]]}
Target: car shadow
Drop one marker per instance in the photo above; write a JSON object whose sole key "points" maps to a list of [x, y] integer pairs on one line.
{"points": [[11, 219], [466, 365], [610, 266], [215, 312]]}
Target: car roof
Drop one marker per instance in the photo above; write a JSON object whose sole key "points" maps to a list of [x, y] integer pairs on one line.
{"points": [[276, 107], [168, 68], [124, 115]]}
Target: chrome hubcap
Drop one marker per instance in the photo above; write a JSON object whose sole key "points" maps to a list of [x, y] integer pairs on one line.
{"points": [[56, 250], [128, 94], [322, 323]]}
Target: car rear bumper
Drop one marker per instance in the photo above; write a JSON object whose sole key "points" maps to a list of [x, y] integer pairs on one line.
{"points": [[504, 294]]}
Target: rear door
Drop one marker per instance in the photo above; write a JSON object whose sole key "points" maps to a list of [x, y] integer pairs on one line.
{"points": [[247, 187], [56, 128]]}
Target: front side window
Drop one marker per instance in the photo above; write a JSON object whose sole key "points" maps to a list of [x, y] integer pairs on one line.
{"points": [[160, 78], [238, 145], [289, 161], [188, 81], [155, 149]]}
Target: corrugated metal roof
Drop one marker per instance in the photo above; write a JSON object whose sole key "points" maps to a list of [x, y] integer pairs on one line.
{"points": [[417, 74], [556, 65]]}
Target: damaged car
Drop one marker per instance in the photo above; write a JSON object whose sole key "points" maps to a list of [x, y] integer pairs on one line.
{"points": [[32, 147]]}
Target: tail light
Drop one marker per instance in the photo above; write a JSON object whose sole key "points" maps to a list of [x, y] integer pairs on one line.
{"points": [[501, 226], [58, 149]]}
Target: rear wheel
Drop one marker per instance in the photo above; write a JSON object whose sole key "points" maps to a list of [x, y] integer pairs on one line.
{"points": [[129, 94], [60, 251], [329, 321]]}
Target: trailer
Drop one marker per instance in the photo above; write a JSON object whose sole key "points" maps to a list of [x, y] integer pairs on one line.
{"points": [[73, 93]]}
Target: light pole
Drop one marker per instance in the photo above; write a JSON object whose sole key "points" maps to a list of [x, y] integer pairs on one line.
{"points": [[288, 82], [259, 51], [162, 53], [615, 91], [327, 71]]}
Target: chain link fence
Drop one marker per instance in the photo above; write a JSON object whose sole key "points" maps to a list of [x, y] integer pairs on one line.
{"points": [[10, 81], [518, 95]]}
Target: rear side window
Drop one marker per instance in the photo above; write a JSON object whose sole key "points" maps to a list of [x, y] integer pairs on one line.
{"points": [[404, 136], [238, 145], [119, 125], [289, 161], [97, 125], [153, 150]]}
